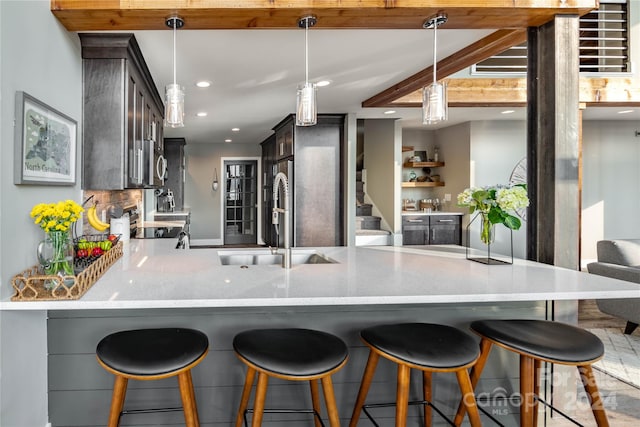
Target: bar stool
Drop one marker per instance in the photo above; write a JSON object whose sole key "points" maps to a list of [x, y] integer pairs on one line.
{"points": [[427, 347], [289, 354], [153, 354], [538, 341]]}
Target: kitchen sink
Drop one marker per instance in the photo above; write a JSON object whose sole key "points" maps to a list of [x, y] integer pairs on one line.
{"points": [[265, 257]]}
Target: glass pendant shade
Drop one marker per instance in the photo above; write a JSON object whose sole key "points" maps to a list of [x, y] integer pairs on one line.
{"points": [[434, 103], [306, 112], [174, 106]]}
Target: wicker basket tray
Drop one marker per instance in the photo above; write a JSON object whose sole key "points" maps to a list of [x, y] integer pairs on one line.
{"points": [[29, 285]]}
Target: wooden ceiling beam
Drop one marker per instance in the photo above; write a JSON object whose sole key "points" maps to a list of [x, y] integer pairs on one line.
{"points": [[484, 48], [105, 15], [481, 92]]}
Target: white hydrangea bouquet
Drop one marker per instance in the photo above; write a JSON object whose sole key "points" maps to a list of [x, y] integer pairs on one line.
{"points": [[495, 203]]}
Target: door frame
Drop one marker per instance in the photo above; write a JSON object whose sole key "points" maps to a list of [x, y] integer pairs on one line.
{"points": [[221, 191]]}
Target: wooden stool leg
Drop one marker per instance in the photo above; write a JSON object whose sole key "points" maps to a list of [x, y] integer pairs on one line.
{"points": [[402, 394], [330, 401], [261, 395], [246, 393], [590, 386], [485, 349], [526, 391], [427, 394], [315, 399], [468, 397], [188, 399], [367, 377], [537, 365], [117, 400]]}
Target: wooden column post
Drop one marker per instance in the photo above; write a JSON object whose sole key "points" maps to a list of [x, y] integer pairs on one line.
{"points": [[553, 142]]}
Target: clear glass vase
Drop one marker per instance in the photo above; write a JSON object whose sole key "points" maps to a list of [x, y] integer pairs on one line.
{"points": [[55, 254], [487, 232]]}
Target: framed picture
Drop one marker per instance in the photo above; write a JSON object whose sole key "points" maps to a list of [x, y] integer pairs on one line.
{"points": [[45, 144], [422, 155]]}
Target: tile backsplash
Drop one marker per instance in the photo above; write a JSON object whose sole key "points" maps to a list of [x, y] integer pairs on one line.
{"points": [[116, 198]]}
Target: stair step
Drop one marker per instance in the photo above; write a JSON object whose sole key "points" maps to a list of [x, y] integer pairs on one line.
{"points": [[359, 186], [372, 232], [368, 222], [364, 209], [358, 176]]}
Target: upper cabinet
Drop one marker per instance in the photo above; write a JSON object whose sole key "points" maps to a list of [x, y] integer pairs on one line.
{"points": [[122, 115]]}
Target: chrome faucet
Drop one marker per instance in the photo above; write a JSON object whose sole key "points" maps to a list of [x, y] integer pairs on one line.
{"points": [[281, 179]]}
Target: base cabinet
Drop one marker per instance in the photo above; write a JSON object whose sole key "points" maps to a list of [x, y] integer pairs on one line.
{"points": [[431, 230]]}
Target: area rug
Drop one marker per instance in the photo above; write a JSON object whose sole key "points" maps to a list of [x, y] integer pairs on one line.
{"points": [[622, 355]]}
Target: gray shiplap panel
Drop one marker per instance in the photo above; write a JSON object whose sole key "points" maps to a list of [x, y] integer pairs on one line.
{"points": [[219, 378]]}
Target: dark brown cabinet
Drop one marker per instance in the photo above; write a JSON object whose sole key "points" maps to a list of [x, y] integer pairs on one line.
{"points": [[312, 158], [122, 114], [175, 176], [268, 162], [431, 230]]}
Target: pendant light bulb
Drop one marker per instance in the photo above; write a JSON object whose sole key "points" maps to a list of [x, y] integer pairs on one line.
{"points": [[306, 107], [174, 93], [435, 108]]}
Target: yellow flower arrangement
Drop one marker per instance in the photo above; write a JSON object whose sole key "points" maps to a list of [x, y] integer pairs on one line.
{"points": [[56, 216]]}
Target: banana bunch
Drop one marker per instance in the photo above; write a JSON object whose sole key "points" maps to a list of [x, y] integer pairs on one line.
{"points": [[94, 221]]}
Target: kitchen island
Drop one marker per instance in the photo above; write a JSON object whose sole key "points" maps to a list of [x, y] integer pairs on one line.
{"points": [[154, 285]]}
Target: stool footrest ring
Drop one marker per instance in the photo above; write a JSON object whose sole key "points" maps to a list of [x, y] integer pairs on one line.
{"points": [[284, 411], [147, 411], [411, 403]]}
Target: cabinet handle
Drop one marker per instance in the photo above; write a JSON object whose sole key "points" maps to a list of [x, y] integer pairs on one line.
{"points": [[445, 220], [415, 220]]}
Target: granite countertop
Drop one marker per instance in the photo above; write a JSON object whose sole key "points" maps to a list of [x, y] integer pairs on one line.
{"points": [[153, 274]]}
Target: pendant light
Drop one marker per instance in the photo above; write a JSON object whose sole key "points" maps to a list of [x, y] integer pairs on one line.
{"points": [[174, 93], [434, 96], [214, 185], [306, 111]]}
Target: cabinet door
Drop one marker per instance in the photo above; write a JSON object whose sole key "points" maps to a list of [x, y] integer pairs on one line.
{"points": [[132, 155], [415, 230], [284, 141], [445, 230]]}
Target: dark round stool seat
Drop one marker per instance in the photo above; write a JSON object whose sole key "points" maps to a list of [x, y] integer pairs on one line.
{"points": [[152, 352], [291, 352], [543, 339], [424, 344]]}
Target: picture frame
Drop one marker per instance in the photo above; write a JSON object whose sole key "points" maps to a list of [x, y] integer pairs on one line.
{"points": [[422, 155], [45, 142]]}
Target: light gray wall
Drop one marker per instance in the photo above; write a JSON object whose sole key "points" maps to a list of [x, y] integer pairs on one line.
{"points": [[41, 58], [496, 147], [611, 183], [206, 204]]}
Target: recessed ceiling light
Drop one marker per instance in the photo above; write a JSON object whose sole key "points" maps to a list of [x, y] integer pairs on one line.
{"points": [[235, 129], [203, 83], [625, 111], [202, 114], [508, 111], [389, 111], [227, 140], [323, 83]]}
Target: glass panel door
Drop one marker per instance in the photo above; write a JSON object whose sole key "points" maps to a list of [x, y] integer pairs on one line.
{"points": [[241, 202]]}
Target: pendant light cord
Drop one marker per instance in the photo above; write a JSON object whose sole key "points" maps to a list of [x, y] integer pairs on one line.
{"points": [[175, 30], [306, 51], [435, 44]]}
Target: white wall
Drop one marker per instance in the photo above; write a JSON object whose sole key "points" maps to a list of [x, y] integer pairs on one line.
{"points": [[41, 58], [611, 183]]}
